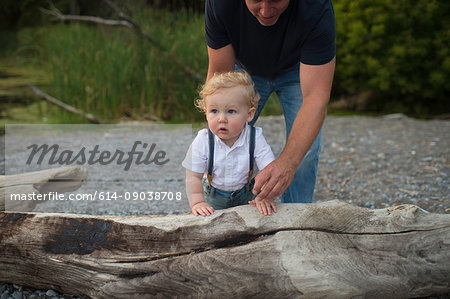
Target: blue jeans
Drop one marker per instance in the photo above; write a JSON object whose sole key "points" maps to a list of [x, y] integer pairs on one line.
{"points": [[287, 87], [220, 199]]}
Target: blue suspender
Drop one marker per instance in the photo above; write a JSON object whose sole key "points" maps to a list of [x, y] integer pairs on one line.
{"points": [[251, 152], [211, 155]]}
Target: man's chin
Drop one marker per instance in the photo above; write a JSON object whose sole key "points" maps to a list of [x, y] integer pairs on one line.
{"points": [[267, 22]]}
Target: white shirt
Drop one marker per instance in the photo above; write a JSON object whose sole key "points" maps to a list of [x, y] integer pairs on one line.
{"points": [[231, 165]]}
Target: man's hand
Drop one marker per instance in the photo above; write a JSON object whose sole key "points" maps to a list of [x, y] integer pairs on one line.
{"points": [[274, 179], [265, 206], [202, 208]]}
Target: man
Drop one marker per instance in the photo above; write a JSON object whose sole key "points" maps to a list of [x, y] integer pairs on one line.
{"points": [[280, 43]]}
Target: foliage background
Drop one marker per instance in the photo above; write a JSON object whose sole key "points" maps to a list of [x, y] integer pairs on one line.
{"points": [[398, 51], [392, 56]]}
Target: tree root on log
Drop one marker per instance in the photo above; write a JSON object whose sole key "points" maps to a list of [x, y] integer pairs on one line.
{"points": [[331, 249]]}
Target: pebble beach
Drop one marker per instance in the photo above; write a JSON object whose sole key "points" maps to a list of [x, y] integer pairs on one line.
{"points": [[372, 162]]}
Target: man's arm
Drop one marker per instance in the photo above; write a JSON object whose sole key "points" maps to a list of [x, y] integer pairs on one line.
{"points": [[316, 81], [220, 60]]}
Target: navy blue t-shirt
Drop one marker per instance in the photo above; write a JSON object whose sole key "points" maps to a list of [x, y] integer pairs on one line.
{"points": [[304, 32]]}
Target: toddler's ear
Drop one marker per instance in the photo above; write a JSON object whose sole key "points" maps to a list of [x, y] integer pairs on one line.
{"points": [[251, 114]]}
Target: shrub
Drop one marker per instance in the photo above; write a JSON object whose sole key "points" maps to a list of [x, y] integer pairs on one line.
{"points": [[397, 51]]}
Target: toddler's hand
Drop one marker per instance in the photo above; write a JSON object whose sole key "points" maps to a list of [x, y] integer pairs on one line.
{"points": [[202, 208], [264, 206]]}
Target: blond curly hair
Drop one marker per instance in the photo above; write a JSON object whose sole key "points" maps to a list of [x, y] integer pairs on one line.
{"points": [[228, 80]]}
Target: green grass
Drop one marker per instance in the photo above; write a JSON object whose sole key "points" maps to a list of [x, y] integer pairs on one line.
{"points": [[17, 104], [114, 73], [272, 106]]}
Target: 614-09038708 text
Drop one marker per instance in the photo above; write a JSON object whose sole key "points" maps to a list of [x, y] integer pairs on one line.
{"points": [[102, 195]]}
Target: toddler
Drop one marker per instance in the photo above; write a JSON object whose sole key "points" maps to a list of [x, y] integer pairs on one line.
{"points": [[222, 161]]}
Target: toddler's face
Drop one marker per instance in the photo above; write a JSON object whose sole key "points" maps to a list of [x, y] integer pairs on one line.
{"points": [[227, 112]]}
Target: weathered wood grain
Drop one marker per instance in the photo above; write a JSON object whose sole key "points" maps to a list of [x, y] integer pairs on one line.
{"points": [[330, 250], [63, 179]]}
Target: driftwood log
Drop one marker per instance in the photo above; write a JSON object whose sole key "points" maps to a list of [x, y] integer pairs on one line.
{"points": [[330, 250], [62, 179]]}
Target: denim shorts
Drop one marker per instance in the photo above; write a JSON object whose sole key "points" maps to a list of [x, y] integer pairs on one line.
{"points": [[220, 199]]}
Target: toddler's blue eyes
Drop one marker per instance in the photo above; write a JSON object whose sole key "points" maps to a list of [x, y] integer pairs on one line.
{"points": [[215, 111]]}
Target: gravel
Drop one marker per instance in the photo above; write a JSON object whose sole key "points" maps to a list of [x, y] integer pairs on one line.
{"points": [[373, 162], [377, 162], [387, 161], [13, 291]]}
